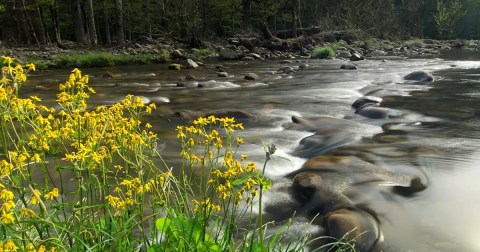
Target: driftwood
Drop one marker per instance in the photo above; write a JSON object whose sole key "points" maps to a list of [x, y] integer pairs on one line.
{"points": [[310, 36]]}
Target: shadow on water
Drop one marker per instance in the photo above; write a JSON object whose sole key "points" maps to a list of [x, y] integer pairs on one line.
{"points": [[435, 138]]}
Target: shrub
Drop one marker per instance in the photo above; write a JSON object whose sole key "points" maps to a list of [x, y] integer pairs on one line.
{"points": [[203, 53], [323, 52]]}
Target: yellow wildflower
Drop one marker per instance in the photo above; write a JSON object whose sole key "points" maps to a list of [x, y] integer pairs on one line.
{"points": [[8, 205], [6, 195], [27, 213], [10, 246], [7, 218], [52, 194], [35, 197], [31, 67], [7, 60]]}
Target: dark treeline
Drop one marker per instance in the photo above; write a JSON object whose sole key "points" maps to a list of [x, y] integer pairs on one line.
{"points": [[115, 22]]}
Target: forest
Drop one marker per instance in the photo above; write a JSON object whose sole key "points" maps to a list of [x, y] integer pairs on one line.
{"points": [[116, 22]]}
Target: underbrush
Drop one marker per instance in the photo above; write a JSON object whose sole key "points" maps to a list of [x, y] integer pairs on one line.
{"points": [[106, 59]]}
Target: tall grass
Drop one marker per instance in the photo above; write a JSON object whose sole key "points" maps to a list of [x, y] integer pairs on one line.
{"points": [[106, 59], [83, 178]]}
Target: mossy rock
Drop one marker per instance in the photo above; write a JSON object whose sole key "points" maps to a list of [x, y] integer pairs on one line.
{"points": [[174, 66]]}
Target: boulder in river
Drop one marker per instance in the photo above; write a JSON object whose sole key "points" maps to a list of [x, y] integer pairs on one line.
{"points": [[348, 66], [251, 76], [191, 64], [228, 54], [174, 66], [222, 74], [356, 57], [419, 76]]}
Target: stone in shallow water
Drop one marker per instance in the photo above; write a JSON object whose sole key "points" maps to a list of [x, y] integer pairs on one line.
{"points": [[419, 76]]}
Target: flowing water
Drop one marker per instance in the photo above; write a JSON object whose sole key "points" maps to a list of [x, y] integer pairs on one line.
{"points": [[437, 136]]}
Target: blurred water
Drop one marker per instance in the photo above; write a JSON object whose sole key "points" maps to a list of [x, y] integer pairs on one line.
{"points": [[440, 132]]}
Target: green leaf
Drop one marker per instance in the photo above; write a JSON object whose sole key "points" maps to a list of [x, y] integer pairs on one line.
{"points": [[164, 225], [241, 181]]}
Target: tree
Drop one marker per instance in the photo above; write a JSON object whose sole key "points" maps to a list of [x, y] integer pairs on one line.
{"points": [[78, 23], [146, 15], [119, 22], [92, 31], [447, 16], [55, 22]]}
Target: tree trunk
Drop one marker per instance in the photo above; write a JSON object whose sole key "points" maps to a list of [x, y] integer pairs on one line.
{"points": [[119, 23], [91, 22], [146, 15], [106, 20], [42, 16], [295, 4], [80, 36], [56, 26], [247, 9], [35, 21]]}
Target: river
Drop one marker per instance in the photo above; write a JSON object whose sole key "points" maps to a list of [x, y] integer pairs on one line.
{"points": [[438, 135]]}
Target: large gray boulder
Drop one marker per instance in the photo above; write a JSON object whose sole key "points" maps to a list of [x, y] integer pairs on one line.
{"points": [[419, 76], [228, 54]]}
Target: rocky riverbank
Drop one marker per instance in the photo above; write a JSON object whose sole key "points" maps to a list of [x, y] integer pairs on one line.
{"points": [[161, 51]]}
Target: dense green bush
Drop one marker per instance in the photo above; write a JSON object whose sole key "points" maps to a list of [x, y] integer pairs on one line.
{"points": [[323, 52]]}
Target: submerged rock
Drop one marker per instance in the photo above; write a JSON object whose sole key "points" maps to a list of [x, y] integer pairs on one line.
{"points": [[419, 76]]}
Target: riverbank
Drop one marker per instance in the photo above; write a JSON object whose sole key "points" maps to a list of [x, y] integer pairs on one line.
{"points": [[71, 55]]}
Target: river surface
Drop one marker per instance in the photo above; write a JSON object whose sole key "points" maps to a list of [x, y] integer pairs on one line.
{"points": [[437, 136]]}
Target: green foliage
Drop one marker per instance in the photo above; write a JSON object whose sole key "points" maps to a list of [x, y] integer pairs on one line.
{"points": [[182, 233], [447, 16], [323, 52], [106, 59], [203, 53]]}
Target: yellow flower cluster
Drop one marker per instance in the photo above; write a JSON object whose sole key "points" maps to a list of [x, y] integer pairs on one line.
{"points": [[10, 246], [133, 189], [102, 146], [209, 145]]}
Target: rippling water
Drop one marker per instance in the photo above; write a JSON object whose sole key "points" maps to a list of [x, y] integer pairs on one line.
{"points": [[439, 133]]}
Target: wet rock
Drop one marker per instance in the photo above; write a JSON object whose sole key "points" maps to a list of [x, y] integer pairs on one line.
{"points": [[189, 77], [416, 185], [160, 99], [378, 53], [286, 70], [365, 101], [356, 57], [376, 112], [255, 56], [222, 74], [348, 67], [419, 76], [177, 54], [191, 64], [228, 54], [286, 62], [187, 84], [344, 54], [251, 76], [303, 66], [174, 66], [108, 75], [247, 58], [217, 84], [354, 224]]}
